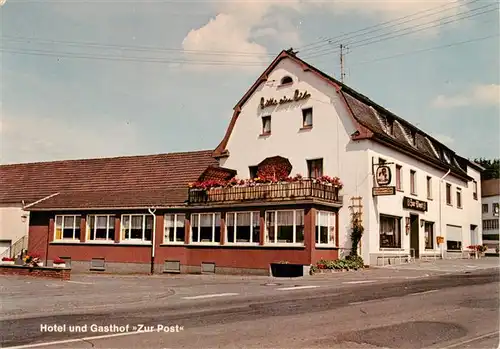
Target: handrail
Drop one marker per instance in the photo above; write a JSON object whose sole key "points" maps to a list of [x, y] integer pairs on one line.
{"points": [[266, 191], [13, 249]]}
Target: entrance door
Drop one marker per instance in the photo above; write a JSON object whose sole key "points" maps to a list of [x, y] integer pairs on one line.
{"points": [[414, 234], [473, 235]]}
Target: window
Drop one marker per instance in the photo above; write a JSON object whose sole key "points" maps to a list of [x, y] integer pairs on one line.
{"points": [[474, 190], [448, 193], [285, 227], [390, 126], [453, 237], [429, 235], [459, 197], [399, 179], [243, 227], [67, 227], [307, 117], [315, 168], [485, 208], [266, 125], [490, 224], [137, 227], [253, 171], [325, 228], [286, 80], [429, 187], [174, 228], [101, 227], [495, 209], [413, 137], [390, 232], [205, 228], [413, 182]]}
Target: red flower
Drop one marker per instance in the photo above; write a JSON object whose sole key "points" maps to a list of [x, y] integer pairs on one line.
{"points": [[7, 259], [59, 261]]}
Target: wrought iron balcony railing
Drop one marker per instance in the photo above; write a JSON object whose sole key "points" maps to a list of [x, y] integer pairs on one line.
{"points": [[305, 189]]}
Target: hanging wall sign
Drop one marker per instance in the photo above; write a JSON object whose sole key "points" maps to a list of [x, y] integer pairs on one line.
{"points": [[297, 96], [383, 175], [414, 204]]}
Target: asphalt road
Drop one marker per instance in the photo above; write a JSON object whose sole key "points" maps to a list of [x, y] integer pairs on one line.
{"points": [[441, 311]]}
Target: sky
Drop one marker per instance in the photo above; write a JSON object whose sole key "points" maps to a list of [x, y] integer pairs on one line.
{"points": [[82, 79]]}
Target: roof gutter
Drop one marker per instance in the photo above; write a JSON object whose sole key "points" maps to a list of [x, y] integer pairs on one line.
{"points": [[38, 201], [432, 162]]}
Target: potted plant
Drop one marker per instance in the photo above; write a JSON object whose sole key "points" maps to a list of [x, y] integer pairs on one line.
{"points": [[59, 263], [33, 260], [286, 269], [8, 261]]}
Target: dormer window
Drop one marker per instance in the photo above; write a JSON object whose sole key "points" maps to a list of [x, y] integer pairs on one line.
{"points": [[390, 126], [286, 80], [414, 137]]}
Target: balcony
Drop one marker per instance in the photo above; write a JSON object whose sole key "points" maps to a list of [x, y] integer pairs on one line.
{"points": [[279, 192]]}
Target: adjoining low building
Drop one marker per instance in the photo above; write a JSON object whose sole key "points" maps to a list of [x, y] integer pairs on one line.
{"points": [[247, 207], [490, 207]]}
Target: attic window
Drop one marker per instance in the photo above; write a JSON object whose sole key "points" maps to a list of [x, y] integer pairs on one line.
{"points": [[286, 80], [390, 126], [414, 137]]}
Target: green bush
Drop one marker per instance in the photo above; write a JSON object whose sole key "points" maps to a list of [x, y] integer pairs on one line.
{"points": [[351, 262]]}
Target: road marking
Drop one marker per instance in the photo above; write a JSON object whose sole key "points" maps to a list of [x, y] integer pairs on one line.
{"points": [[423, 292], [211, 295], [295, 288], [359, 282], [81, 282], [472, 340], [74, 340]]}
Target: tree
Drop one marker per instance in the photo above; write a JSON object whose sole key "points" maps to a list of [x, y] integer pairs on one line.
{"points": [[492, 168]]}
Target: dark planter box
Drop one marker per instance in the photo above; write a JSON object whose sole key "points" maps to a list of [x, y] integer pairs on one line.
{"points": [[287, 270]]}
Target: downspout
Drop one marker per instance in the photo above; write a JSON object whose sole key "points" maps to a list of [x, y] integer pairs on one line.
{"points": [[440, 211], [152, 212]]}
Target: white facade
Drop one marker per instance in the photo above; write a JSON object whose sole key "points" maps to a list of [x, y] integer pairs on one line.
{"points": [[351, 161], [14, 224], [490, 222]]}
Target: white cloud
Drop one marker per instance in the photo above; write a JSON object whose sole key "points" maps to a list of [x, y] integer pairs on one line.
{"points": [[482, 95], [240, 23], [26, 139]]}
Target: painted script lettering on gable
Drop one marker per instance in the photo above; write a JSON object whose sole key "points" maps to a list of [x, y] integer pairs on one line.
{"points": [[297, 96]]}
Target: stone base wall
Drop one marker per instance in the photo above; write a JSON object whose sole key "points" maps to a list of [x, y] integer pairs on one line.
{"points": [[44, 272], [82, 267]]}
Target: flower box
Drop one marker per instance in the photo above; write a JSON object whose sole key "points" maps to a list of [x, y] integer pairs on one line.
{"points": [[287, 270], [59, 265], [8, 262]]}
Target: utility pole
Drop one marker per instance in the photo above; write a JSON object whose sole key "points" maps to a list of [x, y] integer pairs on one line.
{"points": [[342, 59]]}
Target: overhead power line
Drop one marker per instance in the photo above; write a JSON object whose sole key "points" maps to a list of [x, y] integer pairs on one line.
{"points": [[380, 26], [216, 63], [397, 34], [453, 44], [129, 47]]}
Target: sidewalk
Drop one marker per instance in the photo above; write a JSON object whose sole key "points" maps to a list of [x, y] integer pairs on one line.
{"points": [[448, 265]]}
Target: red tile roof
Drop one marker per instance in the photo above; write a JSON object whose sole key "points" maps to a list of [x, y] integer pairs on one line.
{"points": [[128, 181]]}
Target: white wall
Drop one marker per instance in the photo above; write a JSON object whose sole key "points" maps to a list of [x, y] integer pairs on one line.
{"points": [[328, 139], [350, 160], [451, 215], [489, 200], [12, 227]]}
